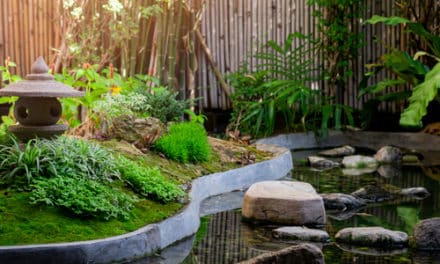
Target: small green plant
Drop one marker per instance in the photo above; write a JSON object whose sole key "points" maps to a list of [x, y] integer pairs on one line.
{"points": [[164, 105], [195, 118], [89, 80], [148, 182], [112, 106], [83, 197], [185, 142], [6, 75]]}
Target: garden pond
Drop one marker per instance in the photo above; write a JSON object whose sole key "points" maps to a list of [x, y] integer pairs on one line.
{"points": [[224, 238]]}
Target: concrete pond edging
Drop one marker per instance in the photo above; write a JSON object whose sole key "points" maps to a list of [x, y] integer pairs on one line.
{"points": [[154, 237]]}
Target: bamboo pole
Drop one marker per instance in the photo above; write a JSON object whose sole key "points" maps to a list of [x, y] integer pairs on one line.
{"points": [[217, 73]]}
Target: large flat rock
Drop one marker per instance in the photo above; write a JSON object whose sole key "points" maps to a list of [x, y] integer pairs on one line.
{"points": [[284, 202]]}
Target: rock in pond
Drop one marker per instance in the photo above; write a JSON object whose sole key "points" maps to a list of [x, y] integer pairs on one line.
{"points": [[320, 162], [359, 162], [389, 154], [284, 202], [415, 192], [372, 236], [341, 201], [357, 172], [338, 152], [427, 234], [301, 233], [297, 254], [374, 193]]}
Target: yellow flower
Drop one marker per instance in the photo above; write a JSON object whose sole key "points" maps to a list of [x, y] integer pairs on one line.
{"points": [[116, 90]]}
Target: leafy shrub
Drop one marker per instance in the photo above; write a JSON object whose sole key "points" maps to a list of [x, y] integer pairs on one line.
{"points": [[281, 86], [164, 105], [82, 197], [123, 104], [148, 181], [185, 142]]}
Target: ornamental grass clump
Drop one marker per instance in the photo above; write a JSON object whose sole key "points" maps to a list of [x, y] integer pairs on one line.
{"points": [[185, 142]]}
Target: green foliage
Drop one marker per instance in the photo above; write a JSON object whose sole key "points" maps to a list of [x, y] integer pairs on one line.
{"points": [[421, 96], [6, 137], [82, 197], [164, 105], [6, 75], [87, 79], [80, 177], [195, 118], [22, 164], [339, 39], [281, 86], [112, 106], [185, 142], [407, 71], [148, 182]]}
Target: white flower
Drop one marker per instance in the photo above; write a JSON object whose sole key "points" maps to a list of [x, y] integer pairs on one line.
{"points": [[68, 4], [76, 12], [114, 6]]}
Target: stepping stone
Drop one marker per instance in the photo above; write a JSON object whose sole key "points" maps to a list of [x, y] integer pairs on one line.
{"points": [[372, 236], [301, 233], [338, 152], [284, 202]]}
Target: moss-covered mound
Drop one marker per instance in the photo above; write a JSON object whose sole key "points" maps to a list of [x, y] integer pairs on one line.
{"points": [[71, 189]]}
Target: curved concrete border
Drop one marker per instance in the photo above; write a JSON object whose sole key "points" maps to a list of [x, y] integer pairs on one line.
{"points": [[368, 139], [153, 237]]}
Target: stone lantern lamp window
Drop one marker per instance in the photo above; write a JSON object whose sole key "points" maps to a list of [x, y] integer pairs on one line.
{"points": [[37, 109]]}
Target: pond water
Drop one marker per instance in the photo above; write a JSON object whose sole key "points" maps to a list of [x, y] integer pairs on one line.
{"points": [[224, 238]]}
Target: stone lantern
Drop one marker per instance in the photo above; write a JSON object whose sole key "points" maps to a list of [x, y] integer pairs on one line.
{"points": [[37, 109]]}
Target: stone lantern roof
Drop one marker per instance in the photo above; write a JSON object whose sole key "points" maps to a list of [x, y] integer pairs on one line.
{"points": [[39, 83]]}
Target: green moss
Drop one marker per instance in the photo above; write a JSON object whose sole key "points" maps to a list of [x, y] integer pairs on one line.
{"points": [[22, 223]]}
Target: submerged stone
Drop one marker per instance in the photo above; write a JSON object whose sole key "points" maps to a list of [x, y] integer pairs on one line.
{"points": [[297, 254], [301, 233], [338, 152], [374, 193], [389, 171], [372, 236], [415, 192], [284, 202], [320, 162], [427, 234], [359, 162], [341, 201]]}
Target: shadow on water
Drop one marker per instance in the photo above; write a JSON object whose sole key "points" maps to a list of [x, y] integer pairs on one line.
{"points": [[224, 238]]}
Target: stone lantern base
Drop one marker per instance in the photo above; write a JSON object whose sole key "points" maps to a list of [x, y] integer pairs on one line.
{"points": [[25, 133]]}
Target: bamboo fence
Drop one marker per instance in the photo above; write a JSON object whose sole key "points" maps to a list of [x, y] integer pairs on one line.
{"points": [[202, 52]]}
